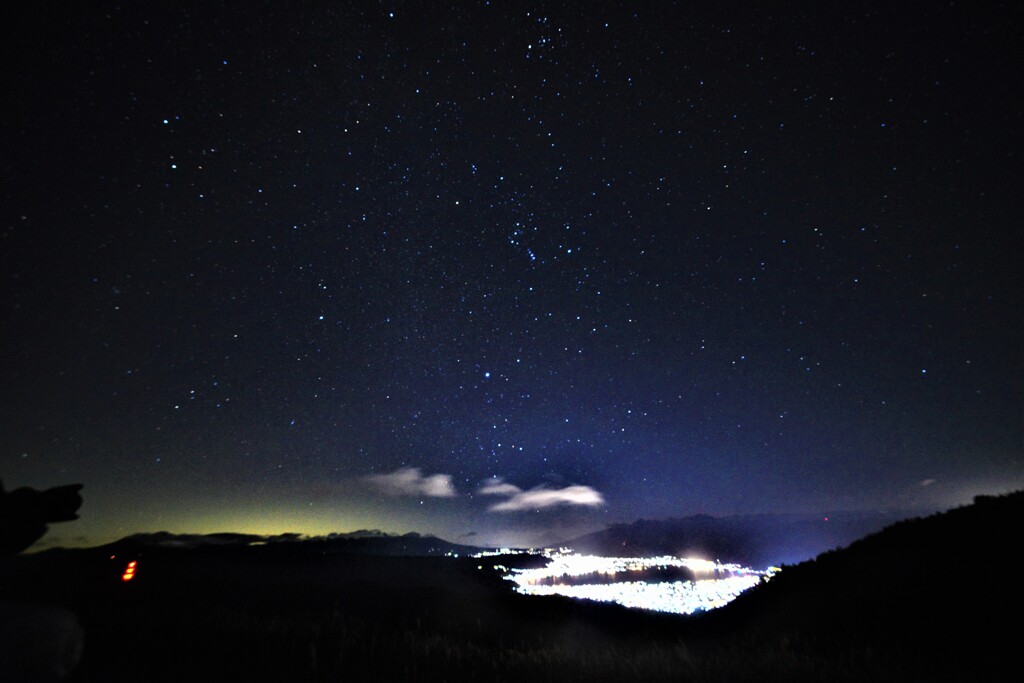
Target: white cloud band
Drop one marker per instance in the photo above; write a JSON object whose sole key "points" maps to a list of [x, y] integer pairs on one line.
{"points": [[497, 487], [540, 497], [409, 481]]}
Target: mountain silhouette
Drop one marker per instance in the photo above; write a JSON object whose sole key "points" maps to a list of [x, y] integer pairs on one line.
{"points": [[361, 542], [755, 540]]}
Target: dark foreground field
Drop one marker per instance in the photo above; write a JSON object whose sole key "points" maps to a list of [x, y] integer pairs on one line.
{"points": [[924, 600]]}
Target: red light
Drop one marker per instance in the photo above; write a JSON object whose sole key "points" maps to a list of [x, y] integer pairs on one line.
{"points": [[129, 572]]}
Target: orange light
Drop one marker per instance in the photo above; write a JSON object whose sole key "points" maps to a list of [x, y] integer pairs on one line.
{"points": [[131, 564], [129, 572]]}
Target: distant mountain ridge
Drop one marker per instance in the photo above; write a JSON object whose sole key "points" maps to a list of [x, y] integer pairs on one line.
{"points": [[362, 542], [759, 540]]}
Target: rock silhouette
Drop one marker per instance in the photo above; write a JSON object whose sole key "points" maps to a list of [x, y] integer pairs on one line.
{"points": [[37, 642], [25, 514]]}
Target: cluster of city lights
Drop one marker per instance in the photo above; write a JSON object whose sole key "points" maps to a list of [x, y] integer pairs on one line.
{"points": [[679, 597], [564, 562], [497, 552], [715, 583]]}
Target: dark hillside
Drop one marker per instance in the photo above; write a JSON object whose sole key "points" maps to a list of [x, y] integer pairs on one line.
{"points": [[236, 613], [938, 593], [922, 600]]}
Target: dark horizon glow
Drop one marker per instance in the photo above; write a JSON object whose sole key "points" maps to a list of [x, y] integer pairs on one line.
{"points": [[507, 272]]}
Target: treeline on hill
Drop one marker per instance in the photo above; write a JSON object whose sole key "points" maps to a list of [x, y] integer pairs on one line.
{"points": [[920, 600]]}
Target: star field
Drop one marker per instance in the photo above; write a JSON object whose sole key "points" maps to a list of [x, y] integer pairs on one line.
{"points": [[354, 265]]}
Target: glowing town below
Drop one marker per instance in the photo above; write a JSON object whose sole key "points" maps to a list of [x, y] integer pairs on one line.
{"points": [[616, 579]]}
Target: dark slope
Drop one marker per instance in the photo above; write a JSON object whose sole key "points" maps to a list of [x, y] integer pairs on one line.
{"points": [[939, 594], [754, 540]]}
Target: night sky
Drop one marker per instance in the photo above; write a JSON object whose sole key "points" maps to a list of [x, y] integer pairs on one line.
{"points": [[508, 271]]}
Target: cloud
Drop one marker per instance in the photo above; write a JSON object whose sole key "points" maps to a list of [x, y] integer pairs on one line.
{"points": [[927, 482], [409, 481], [539, 497], [498, 487]]}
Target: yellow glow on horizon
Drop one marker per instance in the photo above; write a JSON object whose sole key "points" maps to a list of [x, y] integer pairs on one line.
{"points": [[100, 524]]}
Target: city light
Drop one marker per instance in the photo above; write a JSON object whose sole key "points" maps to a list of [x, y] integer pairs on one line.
{"points": [[616, 579]]}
